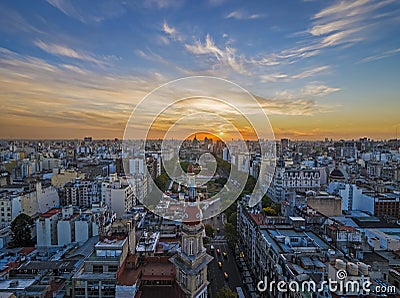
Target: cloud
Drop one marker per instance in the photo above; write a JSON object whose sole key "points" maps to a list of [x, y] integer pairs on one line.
{"points": [[310, 72], [344, 23], [87, 13], [171, 32], [241, 15], [383, 55], [225, 56], [314, 90], [161, 4], [274, 77], [62, 50], [13, 21], [89, 100], [290, 106], [208, 47]]}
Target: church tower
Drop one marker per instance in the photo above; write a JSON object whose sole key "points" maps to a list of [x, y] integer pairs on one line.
{"points": [[192, 259]]}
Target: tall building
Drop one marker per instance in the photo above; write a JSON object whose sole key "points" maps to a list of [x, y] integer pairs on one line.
{"points": [[192, 259]]}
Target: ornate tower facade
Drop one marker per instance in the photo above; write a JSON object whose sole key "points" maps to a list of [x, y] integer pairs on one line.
{"points": [[192, 259]]}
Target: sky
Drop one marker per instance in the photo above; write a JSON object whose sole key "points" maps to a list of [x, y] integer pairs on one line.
{"points": [[319, 69]]}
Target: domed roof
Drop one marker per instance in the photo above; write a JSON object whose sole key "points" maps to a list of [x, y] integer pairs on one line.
{"points": [[336, 174], [191, 215]]}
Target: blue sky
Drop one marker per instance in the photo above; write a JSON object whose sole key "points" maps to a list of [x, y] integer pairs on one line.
{"points": [[321, 68]]}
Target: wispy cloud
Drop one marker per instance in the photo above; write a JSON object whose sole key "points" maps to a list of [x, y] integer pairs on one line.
{"points": [[171, 31], [314, 90], [89, 100], [88, 13], [343, 23], [62, 50], [310, 72], [274, 77], [225, 56], [291, 106], [383, 55], [163, 3], [242, 15]]}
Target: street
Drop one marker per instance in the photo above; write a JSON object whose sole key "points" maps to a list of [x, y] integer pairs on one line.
{"points": [[216, 274]]}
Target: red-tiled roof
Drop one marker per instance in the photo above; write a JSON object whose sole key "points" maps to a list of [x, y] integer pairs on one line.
{"points": [[51, 212], [257, 218], [26, 250]]}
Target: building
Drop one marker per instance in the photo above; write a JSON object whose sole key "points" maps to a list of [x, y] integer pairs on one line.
{"points": [[119, 198], [353, 197], [98, 275], [46, 228], [328, 205], [387, 204], [192, 259], [275, 249], [288, 180], [82, 193]]}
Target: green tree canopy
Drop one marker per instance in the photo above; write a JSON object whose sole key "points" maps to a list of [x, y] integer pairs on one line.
{"points": [[209, 230], [226, 292], [21, 228], [230, 235]]}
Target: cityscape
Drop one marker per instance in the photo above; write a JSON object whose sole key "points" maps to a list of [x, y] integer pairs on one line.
{"points": [[223, 149]]}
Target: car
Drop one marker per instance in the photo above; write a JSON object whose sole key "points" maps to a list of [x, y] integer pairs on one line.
{"points": [[218, 230], [212, 248], [225, 254], [220, 265], [241, 254], [218, 251], [226, 276]]}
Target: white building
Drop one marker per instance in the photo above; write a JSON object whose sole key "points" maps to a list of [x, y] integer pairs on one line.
{"points": [[40, 200], [136, 166], [119, 198], [353, 198], [383, 239], [46, 228]]}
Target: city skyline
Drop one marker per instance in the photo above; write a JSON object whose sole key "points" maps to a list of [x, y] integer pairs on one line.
{"points": [[318, 70]]}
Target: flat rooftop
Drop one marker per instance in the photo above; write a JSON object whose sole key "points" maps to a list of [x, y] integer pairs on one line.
{"points": [[19, 284], [110, 243]]}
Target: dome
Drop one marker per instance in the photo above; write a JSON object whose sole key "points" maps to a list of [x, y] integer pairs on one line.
{"points": [[336, 174], [191, 215]]}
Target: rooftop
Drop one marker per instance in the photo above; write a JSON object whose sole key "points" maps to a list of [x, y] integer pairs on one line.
{"points": [[51, 212]]}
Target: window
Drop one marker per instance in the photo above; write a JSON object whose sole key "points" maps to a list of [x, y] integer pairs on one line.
{"points": [[199, 280], [112, 268], [191, 247], [97, 268], [183, 278]]}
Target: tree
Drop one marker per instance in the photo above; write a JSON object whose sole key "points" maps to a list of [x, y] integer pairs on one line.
{"points": [[233, 218], [266, 201], [209, 230], [277, 207], [269, 211], [162, 181], [21, 231], [226, 292], [230, 235]]}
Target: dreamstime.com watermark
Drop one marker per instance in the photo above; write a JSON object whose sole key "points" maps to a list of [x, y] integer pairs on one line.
{"points": [[341, 285]]}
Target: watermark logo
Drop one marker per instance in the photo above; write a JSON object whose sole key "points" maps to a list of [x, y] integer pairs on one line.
{"points": [[341, 285], [165, 119], [341, 274]]}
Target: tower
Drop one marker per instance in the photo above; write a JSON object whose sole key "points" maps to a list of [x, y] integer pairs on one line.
{"points": [[192, 259], [191, 181]]}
